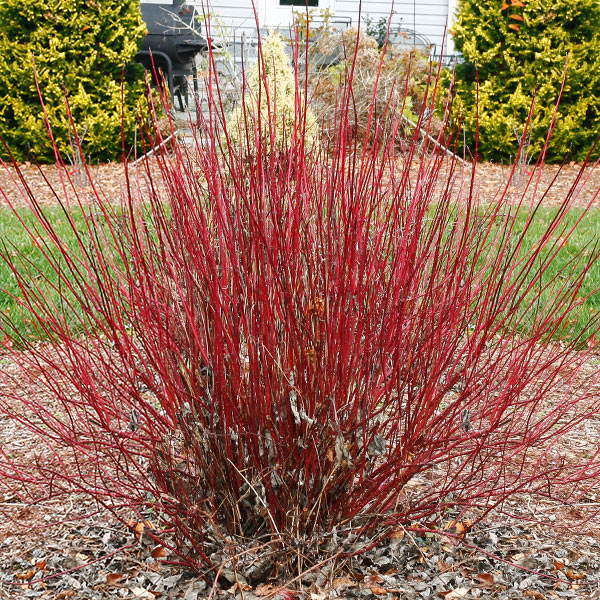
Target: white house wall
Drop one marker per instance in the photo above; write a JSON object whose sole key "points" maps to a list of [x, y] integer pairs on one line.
{"points": [[426, 17], [232, 18], [235, 18]]}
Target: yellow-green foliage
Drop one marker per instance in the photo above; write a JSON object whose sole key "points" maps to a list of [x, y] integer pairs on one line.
{"points": [[520, 47], [80, 47], [270, 109]]}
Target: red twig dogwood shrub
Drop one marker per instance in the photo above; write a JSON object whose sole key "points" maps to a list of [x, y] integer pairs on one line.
{"points": [[269, 350]]}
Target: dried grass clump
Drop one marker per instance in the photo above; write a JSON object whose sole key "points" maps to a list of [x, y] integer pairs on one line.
{"points": [[389, 87]]}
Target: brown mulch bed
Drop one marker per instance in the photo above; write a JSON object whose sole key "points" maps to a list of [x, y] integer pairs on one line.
{"points": [[69, 548], [110, 180], [555, 179], [46, 182]]}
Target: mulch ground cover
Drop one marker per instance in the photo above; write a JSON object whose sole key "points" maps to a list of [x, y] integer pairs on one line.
{"points": [[490, 180], [69, 548]]}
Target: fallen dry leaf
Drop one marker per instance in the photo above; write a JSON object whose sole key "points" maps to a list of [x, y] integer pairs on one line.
{"points": [[534, 594], [574, 575], [486, 578], [459, 527], [142, 594], [456, 594], [158, 552], [343, 582], [372, 579], [238, 586], [136, 527], [559, 566], [269, 589], [444, 566], [264, 590], [114, 578], [378, 590]]}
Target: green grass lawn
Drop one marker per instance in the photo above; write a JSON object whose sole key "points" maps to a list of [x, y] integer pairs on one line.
{"points": [[580, 244], [17, 241]]}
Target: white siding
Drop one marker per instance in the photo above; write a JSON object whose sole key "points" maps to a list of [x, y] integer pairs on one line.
{"points": [[232, 18], [427, 17], [232, 22]]}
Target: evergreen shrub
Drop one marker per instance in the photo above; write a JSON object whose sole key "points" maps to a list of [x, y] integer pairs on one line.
{"points": [[79, 48], [519, 48], [268, 107]]}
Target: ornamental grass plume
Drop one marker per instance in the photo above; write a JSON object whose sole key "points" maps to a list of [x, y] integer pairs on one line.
{"points": [[276, 362]]}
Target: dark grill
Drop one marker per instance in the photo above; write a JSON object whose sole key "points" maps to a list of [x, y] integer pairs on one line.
{"points": [[171, 44]]}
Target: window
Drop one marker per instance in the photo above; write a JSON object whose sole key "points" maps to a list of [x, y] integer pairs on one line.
{"points": [[299, 3]]}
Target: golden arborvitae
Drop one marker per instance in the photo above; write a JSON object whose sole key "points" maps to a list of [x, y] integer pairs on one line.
{"points": [[272, 107], [80, 48]]}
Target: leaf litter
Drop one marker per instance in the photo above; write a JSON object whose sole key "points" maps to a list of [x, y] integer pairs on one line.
{"points": [[69, 548], [504, 561]]}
